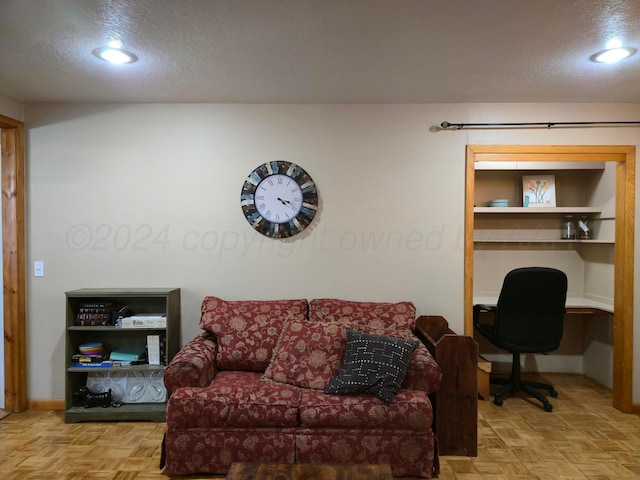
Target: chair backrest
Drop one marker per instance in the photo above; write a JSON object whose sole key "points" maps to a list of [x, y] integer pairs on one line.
{"points": [[531, 307]]}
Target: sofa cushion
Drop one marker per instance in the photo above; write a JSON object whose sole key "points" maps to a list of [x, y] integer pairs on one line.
{"points": [[374, 364], [398, 316], [410, 410], [247, 331], [308, 354], [234, 399]]}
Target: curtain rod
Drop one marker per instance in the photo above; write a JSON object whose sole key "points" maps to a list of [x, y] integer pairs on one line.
{"points": [[461, 126]]}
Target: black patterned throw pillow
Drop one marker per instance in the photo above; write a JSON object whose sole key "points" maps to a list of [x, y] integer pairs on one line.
{"points": [[372, 364]]}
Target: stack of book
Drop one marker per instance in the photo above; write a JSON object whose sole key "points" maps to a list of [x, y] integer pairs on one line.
{"points": [[126, 357], [80, 360], [91, 355], [94, 355], [145, 320], [94, 314]]}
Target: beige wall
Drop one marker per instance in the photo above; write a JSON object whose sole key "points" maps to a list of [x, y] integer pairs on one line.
{"points": [[148, 195], [11, 108]]}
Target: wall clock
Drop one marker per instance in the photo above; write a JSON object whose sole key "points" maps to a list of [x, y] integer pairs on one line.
{"points": [[279, 199]]}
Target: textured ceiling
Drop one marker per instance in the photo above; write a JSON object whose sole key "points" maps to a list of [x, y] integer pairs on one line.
{"points": [[319, 51]]}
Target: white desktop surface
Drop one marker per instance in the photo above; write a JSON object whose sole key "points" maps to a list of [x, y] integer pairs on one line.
{"points": [[572, 302]]}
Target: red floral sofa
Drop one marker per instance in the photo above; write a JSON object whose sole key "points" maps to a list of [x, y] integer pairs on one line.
{"points": [[251, 387]]}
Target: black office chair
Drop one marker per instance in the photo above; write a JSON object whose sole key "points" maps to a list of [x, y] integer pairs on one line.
{"points": [[527, 319]]}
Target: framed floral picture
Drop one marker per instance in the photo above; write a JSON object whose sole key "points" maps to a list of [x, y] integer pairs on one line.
{"points": [[539, 191]]}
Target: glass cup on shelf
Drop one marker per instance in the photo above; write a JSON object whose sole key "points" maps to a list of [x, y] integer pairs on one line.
{"points": [[568, 228], [584, 228]]}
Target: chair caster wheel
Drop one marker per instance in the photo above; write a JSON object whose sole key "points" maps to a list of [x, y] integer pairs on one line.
{"points": [[553, 393], [548, 407], [498, 402]]}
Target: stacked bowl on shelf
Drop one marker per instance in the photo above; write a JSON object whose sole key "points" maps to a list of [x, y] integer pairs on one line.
{"points": [[501, 202]]}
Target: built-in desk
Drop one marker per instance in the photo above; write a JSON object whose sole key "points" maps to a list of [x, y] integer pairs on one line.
{"points": [[573, 304], [588, 321]]}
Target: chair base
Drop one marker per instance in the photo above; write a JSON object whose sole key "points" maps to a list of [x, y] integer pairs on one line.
{"points": [[515, 383]]}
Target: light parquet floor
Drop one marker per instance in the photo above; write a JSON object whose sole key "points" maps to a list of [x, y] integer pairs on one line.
{"points": [[583, 438]]}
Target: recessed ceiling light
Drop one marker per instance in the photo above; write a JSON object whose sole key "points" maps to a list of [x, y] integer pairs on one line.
{"points": [[613, 55], [115, 55]]}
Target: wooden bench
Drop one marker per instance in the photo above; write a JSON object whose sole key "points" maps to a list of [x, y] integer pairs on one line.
{"points": [[456, 401]]}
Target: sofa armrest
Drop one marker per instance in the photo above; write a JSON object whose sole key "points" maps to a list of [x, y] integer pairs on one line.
{"points": [[194, 365], [424, 373]]}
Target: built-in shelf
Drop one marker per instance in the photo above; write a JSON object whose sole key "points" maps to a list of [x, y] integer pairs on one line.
{"points": [[538, 210], [544, 241], [524, 165]]}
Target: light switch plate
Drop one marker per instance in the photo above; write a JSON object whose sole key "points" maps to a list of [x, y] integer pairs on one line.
{"points": [[38, 269]]}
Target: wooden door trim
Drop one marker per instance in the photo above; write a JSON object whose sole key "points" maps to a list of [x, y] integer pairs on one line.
{"points": [[624, 155], [14, 264]]}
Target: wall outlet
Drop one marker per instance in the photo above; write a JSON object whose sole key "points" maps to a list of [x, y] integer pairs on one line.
{"points": [[38, 269]]}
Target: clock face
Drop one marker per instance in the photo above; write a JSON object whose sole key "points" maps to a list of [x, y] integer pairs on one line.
{"points": [[279, 199]]}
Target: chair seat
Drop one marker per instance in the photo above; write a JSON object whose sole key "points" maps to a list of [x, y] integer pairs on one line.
{"points": [[489, 332]]}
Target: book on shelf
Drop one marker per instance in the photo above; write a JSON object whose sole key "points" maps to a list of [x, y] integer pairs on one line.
{"points": [[145, 320], [96, 307], [93, 314], [81, 358], [93, 319], [127, 363], [127, 355], [153, 349], [108, 364], [102, 364]]}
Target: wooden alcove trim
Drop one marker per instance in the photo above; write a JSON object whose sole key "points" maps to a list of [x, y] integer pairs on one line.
{"points": [[624, 156], [14, 265]]}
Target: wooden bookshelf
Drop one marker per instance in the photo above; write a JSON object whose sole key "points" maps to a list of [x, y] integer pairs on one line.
{"points": [[139, 300]]}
